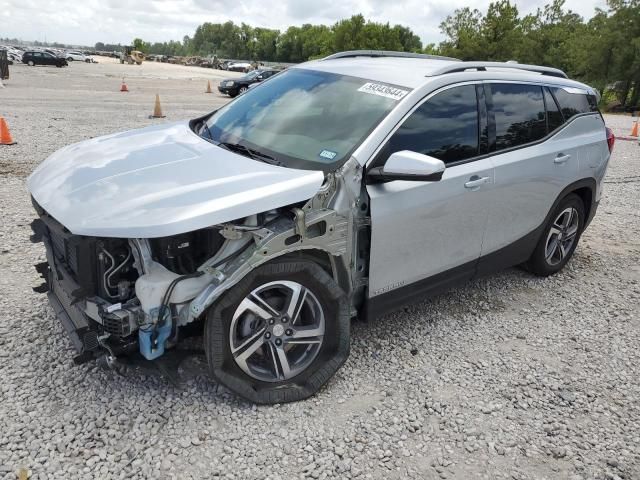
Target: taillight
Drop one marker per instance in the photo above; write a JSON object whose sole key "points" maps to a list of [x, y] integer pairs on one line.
{"points": [[611, 139]]}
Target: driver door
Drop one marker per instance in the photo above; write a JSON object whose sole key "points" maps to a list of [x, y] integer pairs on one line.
{"points": [[427, 235]]}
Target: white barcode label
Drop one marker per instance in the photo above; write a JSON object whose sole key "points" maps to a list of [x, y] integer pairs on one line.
{"points": [[383, 90]]}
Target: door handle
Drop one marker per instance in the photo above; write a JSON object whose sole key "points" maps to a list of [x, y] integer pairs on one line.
{"points": [[475, 182], [561, 158]]}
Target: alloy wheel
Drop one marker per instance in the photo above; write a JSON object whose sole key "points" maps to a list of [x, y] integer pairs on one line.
{"points": [[562, 236], [277, 331]]}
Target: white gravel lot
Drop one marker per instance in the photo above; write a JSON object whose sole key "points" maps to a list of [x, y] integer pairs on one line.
{"points": [[511, 376]]}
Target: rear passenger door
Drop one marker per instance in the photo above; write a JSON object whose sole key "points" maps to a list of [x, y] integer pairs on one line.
{"points": [[532, 166]]}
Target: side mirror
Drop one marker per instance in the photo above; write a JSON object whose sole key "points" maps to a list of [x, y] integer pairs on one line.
{"points": [[407, 165], [259, 78]]}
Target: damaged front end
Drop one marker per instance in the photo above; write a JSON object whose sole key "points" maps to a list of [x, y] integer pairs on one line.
{"points": [[120, 296]]}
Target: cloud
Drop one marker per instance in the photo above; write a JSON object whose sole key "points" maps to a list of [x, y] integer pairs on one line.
{"points": [[119, 21]]}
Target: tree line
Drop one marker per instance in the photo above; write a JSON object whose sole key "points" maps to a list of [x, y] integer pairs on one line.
{"points": [[603, 51]]}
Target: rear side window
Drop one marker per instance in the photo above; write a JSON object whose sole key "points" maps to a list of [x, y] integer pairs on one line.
{"points": [[572, 104], [554, 117], [519, 114], [444, 127]]}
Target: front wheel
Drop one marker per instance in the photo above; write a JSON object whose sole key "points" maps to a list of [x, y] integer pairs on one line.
{"points": [[31, 64], [560, 237], [69, 59], [279, 334], [242, 90]]}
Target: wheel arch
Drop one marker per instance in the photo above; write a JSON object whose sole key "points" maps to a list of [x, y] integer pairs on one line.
{"points": [[586, 194], [331, 264], [585, 188], [328, 262]]}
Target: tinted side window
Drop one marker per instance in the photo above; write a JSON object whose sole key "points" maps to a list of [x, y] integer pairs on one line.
{"points": [[574, 103], [444, 127], [519, 113], [554, 117]]}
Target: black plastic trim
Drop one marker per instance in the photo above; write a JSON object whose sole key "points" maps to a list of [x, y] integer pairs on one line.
{"points": [[388, 302], [483, 120], [67, 323]]}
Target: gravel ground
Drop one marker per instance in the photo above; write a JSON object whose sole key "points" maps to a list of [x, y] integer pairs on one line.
{"points": [[510, 376]]}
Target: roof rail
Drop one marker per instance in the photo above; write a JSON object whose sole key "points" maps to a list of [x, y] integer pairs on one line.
{"points": [[386, 53], [482, 66]]}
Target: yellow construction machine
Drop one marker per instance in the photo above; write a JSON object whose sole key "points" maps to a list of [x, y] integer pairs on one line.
{"points": [[131, 56]]}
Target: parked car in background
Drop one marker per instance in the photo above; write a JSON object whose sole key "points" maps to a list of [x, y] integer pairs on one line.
{"points": [[33, 58], [240, 67], [240, 85], [76, 56]]}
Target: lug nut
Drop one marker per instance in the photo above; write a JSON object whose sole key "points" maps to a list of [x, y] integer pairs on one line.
{"points": [[272, 321], [267, 335], [278, 342], [289, 332], [284, 319]]}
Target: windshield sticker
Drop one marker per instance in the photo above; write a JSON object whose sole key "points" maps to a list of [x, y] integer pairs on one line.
{"points": [[383, 90], [328, 154]]}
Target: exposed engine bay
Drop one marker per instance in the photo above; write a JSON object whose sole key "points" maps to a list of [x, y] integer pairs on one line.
{"points": [[117, 296]]}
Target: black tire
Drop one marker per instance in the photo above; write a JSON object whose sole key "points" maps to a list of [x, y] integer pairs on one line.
{"points": [[332, 352], [538, 263], [69, 59]]}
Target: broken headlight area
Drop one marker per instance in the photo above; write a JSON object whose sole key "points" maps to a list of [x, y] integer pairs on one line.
{"points": [[117, 296]]}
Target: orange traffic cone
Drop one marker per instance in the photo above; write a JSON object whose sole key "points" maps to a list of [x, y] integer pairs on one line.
{"points": [[5, 134], [634, 129], [123, 87], [208, 90], [157, 109]]}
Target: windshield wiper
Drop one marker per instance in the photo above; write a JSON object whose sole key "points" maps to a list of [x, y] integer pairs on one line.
{"points": [[250, 152], [206, 127]]}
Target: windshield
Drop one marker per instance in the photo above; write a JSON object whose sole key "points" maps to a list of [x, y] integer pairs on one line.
{"points": [[304, 118], [251, 75]]}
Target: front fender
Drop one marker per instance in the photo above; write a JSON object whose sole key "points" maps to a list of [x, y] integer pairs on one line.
{"points": [[322, 230]]}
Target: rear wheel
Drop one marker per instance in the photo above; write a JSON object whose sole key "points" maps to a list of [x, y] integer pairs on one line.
{"points": [[560, 237], [31, 64], [69, 59], [280, 334]]}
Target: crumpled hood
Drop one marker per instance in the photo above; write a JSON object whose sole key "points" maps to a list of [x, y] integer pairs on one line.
{"points": [[160, 181]]}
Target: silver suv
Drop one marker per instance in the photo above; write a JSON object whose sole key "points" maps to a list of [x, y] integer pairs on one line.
{"points": [[342, 187]]}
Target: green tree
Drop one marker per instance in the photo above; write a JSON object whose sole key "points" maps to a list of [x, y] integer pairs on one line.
{"points": [[463, 32], [141, 45]]}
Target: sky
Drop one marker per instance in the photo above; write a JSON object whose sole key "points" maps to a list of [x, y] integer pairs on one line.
{"points": [[120, 21]]}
